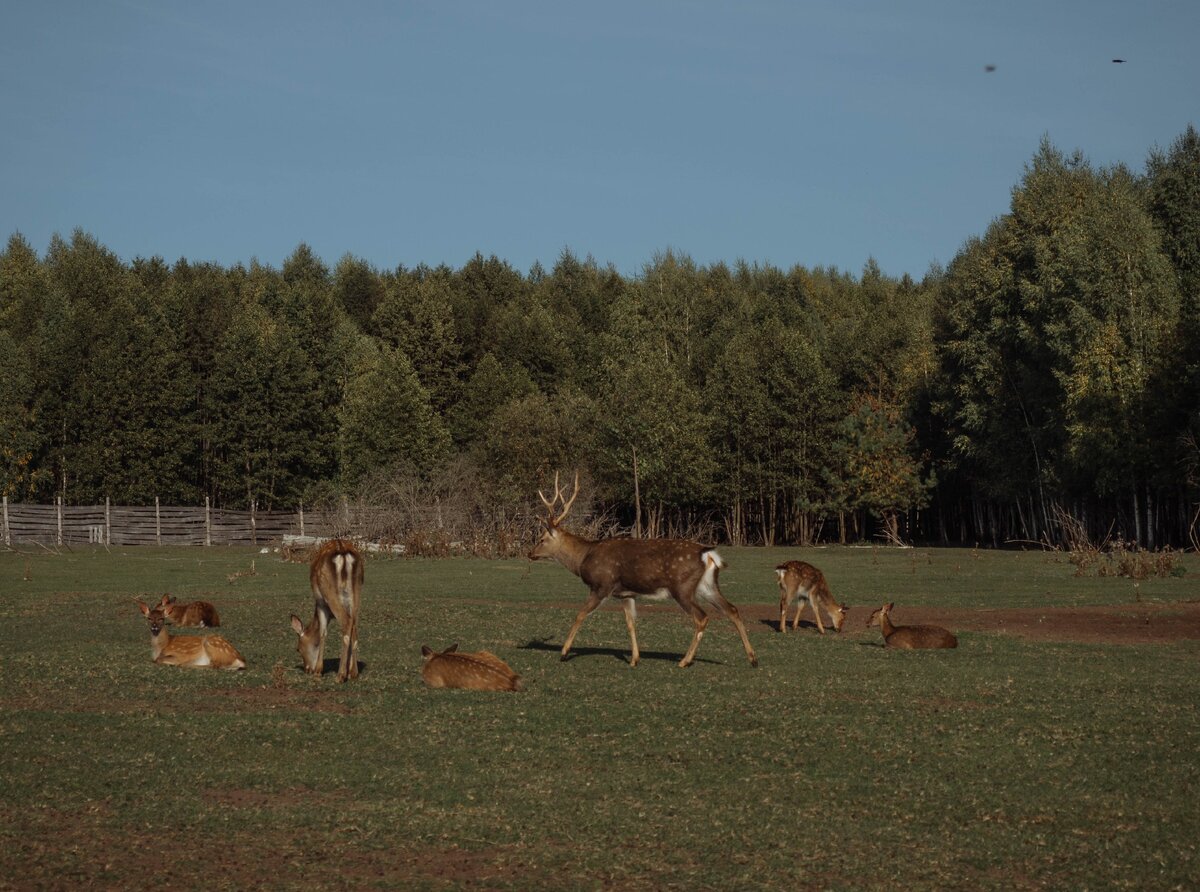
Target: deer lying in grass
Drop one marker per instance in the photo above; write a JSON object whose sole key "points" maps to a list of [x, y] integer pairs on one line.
{"points": [[191, 651], [627, 569], [336, 575], [800, 581], [479, 671], [197, 613], [909, 637]]}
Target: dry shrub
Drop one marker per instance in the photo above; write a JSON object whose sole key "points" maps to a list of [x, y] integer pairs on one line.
{"points": [[1114, 557], [452, 511], [1134, 563]]}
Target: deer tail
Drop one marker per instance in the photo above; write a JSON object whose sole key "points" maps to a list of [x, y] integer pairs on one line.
{"points": [[343, 564], [707, 588]]}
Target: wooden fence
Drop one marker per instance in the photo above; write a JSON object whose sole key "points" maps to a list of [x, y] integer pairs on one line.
{"points": [[106, 524]]}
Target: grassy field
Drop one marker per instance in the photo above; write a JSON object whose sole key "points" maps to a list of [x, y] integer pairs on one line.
{"points": [[1008, 763]]}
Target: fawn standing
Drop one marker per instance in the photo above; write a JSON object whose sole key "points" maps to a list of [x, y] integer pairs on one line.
{"points": [[798, 579], [909, 637], [479, 671], [336, 575], [191, 651]]}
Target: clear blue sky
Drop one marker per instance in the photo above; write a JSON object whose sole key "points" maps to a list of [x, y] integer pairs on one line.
{"points": [[407, 132]]}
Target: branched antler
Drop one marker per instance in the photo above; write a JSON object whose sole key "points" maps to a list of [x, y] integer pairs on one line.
{"points": [[551, 520]]}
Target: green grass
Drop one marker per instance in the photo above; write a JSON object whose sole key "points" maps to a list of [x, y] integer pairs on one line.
{"points": [[1004, 764]]}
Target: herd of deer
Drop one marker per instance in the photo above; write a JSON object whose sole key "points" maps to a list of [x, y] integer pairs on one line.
{"points": [[620, 568]]}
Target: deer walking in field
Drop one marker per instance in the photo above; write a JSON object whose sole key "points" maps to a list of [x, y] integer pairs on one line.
{"points": [[197, 613], [336, 574], [479, 671], [909, 637], [627, 569], [800, 581], [190, 651]]}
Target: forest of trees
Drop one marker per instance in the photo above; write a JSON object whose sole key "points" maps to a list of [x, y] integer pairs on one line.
{"points": [[1049, 375]]}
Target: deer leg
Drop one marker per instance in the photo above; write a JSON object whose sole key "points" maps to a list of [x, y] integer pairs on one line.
{"points": [[732, 612], [630, 613], [816, 613], [593, 601], [347, 651], [784, 604], [700, 618], [324, 623], [354, 647], [799, 609]]}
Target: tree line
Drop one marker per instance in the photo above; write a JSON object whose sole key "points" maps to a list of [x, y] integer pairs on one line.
{"points": [[1048, 378]]}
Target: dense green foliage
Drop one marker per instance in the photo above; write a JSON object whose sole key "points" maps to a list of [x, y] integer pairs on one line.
{"points": [[1051, 370]]}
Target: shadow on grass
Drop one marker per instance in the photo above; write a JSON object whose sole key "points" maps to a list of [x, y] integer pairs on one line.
{"points": [[622, 654], [329, 666], [806, 625]]}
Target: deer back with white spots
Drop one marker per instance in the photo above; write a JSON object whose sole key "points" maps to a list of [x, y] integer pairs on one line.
{"points": [[478, 671], [801, 582]]}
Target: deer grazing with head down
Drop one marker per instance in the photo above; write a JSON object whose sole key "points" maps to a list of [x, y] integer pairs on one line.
{"points": [[909, 637], [803, 581], [190, 651], [627, 569], [336, 575], [478, 671], [197, 613]]}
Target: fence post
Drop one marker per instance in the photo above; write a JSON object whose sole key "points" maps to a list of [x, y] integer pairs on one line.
{"points": [[107, 523], [8, 535], [253, 523], [58, 504], [207, 522], [301, 515], [157, 524]]}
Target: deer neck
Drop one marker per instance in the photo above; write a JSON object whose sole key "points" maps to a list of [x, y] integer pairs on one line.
{"points": [[885, 625], [571, 550], [159, 642]]}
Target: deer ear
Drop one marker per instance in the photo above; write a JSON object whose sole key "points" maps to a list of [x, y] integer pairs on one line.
{"points": [[297, 626], [166, 599], [426, 651], [451, 649], [142, 607]]}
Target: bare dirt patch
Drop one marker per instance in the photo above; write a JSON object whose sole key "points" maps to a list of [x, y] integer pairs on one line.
{"points": [[1119, 624], [1145, 623]]}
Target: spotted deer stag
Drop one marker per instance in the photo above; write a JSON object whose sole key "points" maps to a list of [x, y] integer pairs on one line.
{"points": [[189, 651], [197, 613], [800, 581], [336, 574], [909, 637], [628, 569]]}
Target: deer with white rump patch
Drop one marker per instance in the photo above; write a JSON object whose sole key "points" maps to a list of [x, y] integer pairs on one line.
{"points": [[189, 651], [336, 574], [800, 581], [627, 569]]}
